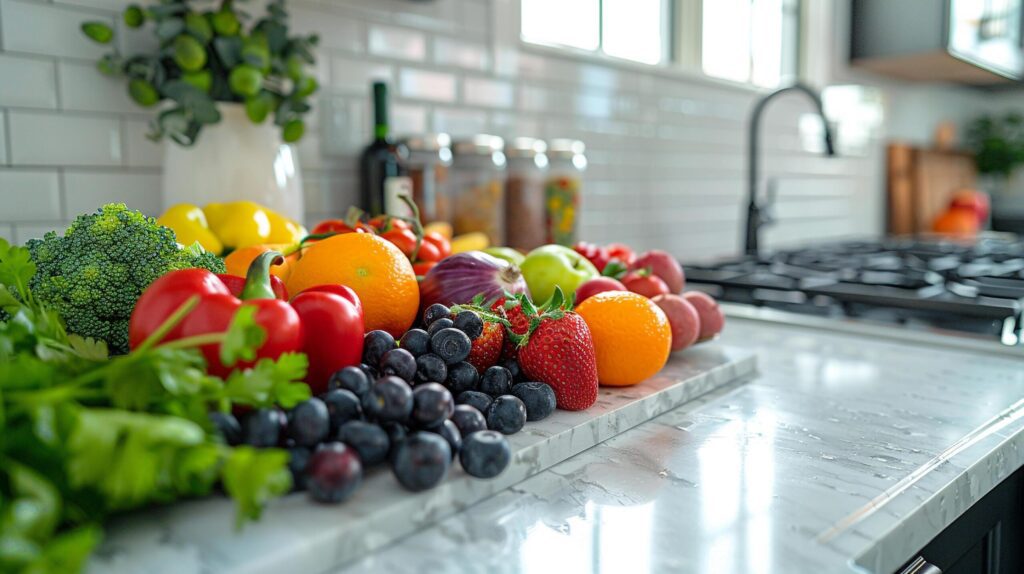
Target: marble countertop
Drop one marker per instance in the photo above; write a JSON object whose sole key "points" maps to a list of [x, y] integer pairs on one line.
{"points": [[846, 453]]}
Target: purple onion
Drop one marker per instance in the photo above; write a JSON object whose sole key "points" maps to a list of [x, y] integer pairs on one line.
{"points": [[461, 277]]}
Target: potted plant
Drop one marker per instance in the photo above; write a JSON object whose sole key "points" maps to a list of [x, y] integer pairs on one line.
{"points": [[230, 97], [998, 147]]}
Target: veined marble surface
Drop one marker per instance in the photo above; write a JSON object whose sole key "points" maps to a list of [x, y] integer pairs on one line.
{"points": [[297, 535], [847, 453]]}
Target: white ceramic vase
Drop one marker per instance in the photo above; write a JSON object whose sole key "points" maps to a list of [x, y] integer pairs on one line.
{"points": [[233, 160]]}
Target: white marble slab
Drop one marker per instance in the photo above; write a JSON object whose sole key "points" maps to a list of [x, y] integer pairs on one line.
{"points": [[296, 535]]}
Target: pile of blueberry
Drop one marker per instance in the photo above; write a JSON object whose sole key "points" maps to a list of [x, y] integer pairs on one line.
{"points": [[415, 404]]}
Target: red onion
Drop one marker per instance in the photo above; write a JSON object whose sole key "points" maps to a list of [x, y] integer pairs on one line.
{"points": [[461, 277]]}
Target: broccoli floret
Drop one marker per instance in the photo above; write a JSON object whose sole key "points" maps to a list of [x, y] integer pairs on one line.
{"points": [[95, 273]]}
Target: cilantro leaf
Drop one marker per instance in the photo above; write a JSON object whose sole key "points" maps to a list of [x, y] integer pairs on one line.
{"points": [[16, 267], [270, 382], [252, 477], [243, 337], [89, 348]]}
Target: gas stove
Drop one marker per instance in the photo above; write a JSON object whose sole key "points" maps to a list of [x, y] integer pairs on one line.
{"points": [[975, 287]]}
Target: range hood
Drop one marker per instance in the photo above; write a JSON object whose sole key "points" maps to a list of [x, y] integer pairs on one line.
{"points": [[965, 41]]}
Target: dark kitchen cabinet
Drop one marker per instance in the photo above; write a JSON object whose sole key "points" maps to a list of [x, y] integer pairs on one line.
{"points": [[988, 538]]}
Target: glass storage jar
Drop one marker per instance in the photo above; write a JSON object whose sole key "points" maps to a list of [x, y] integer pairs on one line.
{"points": [[478, 187], [430, 158], [525, 215], [562, 191]]}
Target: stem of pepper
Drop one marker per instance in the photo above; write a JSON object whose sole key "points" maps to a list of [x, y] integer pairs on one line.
{"points": [[257, 278]]}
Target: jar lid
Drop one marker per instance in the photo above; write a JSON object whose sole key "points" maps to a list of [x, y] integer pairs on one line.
{"points": [[428, 142], [566, 147], [526, 147], [480, 144]]}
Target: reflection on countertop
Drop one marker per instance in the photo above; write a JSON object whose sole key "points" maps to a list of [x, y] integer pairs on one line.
{"points": [[846, 453]]}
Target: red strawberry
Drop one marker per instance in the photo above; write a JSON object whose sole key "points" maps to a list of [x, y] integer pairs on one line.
{"points": [[487, 347], [520, 324], [560, 352]]}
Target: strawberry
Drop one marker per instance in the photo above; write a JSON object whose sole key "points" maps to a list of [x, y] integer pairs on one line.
{"points": [[511, 310], [487, 347], [560, 352]]}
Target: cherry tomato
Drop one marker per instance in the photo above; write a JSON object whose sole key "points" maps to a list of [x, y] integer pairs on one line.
{"points": [[421, 268], [386, 223], [404, 239], [621, 252], [440, 241], [429, 252], [331, 226]]}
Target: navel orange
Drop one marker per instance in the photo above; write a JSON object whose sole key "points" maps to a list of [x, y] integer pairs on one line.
{"points": [[372, 267], [237, 262], [632, 336]]}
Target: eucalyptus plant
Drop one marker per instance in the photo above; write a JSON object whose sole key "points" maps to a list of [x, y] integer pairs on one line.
{"points": [[208, 56]]}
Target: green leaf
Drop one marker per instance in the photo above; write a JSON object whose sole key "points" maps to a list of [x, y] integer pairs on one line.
{"points": [[270, 382], [89, 348], [229, 50], [67, 552], [252, 477], [34, 510], [99, 32], [243, 338], [16, 267], [169, 28], [194, 102]]}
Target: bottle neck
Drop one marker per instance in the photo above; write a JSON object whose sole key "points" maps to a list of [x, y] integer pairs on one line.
{"points": [[380, 132]]}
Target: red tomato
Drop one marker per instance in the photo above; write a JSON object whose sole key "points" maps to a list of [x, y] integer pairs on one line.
{"points": [[404, 239], [331, 226], [385, 223], [423, 267], [442, 243], [622, 252], [429, 252]]}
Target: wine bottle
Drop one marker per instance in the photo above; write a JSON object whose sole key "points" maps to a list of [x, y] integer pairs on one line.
{"points": [[383, 176]]}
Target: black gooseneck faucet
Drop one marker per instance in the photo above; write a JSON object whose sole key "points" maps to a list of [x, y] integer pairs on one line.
{"points": [[756, 218]]}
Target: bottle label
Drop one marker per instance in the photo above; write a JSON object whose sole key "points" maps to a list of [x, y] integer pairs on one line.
{"points": [[394, 188]]}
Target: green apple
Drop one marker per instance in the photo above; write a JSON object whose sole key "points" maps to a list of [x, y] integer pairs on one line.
{"points": [[555, 265], [507, 253]]}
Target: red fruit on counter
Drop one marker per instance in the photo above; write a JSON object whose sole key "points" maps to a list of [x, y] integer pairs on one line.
{"points": [[649, 286], [403, 239], [486, 350], [711, 318], [974, 201], [513, 312], [682, 318], [594, 253], [597, 285], [235, 284], [665, 267], [622, 252]]}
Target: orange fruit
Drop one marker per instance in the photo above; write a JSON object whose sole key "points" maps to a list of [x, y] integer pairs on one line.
{"points": [[957, 221], [238, 261], [372, 267], [632, 337]]}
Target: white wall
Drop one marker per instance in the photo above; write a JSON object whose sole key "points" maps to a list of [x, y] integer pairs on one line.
{"points": [[666, 151]]}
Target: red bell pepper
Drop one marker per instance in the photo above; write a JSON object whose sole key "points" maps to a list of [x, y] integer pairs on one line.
{"points": [[236, 285]]}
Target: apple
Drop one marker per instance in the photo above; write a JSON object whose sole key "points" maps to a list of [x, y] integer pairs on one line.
{"points": [[682, 318], [549, 266], [597, 285], [506, 253], [974, 201], [594, 253], [648, 285], [711, 318], [664, 266]]}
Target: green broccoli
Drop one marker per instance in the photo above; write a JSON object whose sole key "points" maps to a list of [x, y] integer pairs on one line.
{"points": [[95, 273]]}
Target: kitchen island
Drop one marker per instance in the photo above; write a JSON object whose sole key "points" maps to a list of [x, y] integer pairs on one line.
{"points": [[847, 452]]}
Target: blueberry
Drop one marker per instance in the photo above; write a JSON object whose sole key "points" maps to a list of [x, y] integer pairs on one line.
{"points": [[432, 404], [539, 399], [422, 461], [352, 379], [513, 368], [462, 377], [227, 426], [443, 323], [451, 344], [435, 312], [333, 473], [342, 405], [371, 374], [485, 454], [309, 422], [430, 368], [375, 344], [507, 415], [298, 458], [389, 399], [468, 419], [469, 323], [262, 427], [400, 363], [369, 440], [476, 399], [416, 341], [496, 381], [396, 435], [450, 433]]}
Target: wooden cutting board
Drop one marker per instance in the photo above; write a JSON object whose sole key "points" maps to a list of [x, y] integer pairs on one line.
{"points": [[921, 182]]}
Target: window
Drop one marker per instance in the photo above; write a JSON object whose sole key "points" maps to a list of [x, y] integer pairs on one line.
{"points": [[630, 29], [749, 41]]}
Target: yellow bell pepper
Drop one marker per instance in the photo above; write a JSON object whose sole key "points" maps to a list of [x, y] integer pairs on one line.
{"points": [[189, 225], [240, 224]]}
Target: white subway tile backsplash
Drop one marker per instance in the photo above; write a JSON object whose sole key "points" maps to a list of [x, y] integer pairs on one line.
{"points": [[7, 233], [25, 231], [116, 5], [309, 152], [27, 82], [3, 138], [29, 195], [85, 191], [336, 31], [347, 125], [469, 55], [424, 85], [47, 29], [83, 87], [61, 139], [355, 76], [399, 43], [459, 122], [488, 93], [139, 150], [408, 119]]}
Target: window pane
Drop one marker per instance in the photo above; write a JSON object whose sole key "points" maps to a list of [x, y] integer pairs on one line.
{"points": [[750, 40], [634, 29], [725, 39], [573, 23]]}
